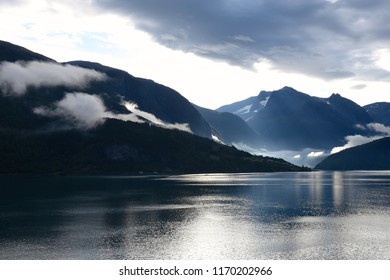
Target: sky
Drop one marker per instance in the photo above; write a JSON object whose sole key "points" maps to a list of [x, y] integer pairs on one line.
{"points": [[221, 51]]}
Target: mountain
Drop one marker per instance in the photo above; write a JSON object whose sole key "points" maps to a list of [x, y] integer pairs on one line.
{"points": [[118, 147], [230, 128], [12, 53], [292, 120], [86, 118], [370, 156], [164, 103], [159, 100], [248, 107], [379, 112]]}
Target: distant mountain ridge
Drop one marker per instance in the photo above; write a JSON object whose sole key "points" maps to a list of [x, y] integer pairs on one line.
{"points": [[247, 107], [292, 120], [370, 156], [231, 129], [379, 112]]}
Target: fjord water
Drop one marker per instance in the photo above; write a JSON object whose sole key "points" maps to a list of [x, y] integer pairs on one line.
{"points": [[315, 215]]}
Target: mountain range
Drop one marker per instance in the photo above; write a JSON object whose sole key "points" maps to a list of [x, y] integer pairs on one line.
{"points": [[380, 112], [230, 129], [81, 117], [84, 117], [287, 119], [304, 129]]}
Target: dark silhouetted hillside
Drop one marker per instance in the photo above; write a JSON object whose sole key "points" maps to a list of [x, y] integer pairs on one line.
{"points": [[370, 156]]}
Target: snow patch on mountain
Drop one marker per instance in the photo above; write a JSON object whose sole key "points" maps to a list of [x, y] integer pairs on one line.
{"points": [[244, 110], [264, 102]]}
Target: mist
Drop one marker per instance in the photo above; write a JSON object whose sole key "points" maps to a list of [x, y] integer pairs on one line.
{"points": [[15, 78], [86, 111], [306, 157], [132, 107], [82, 110], [356, 140], [311, 157]]}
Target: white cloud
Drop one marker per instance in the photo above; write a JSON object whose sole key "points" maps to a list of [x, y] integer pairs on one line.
{"points": [[216, 139], [360, 126], [383, 58], [316, 154], [380, 128], [83, 110], [16, 77], [356, 140], [306, 157], [132, 107], [86, 111]]}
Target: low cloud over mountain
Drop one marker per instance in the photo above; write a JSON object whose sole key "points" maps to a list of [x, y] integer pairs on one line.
{"points": [[16, 77], [305, 129], [132, 107], [85, 111], [87, 118], [379, 130]]}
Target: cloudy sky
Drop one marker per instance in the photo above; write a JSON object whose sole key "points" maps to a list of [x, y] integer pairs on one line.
{"points": [[221, 51]]}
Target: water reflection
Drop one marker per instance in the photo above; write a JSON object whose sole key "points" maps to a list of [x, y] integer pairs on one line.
{"points": [[338, 189], [316, 215]]}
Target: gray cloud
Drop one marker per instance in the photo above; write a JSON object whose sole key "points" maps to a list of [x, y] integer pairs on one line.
{"points": [[315, 37], [16, 77], [11, 2], [359, 86]]}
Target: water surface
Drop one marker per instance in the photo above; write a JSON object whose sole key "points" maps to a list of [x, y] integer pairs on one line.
{"points": [[317, 215]]}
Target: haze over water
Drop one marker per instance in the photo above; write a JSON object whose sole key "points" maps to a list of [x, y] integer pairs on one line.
{"points": [[316, 215]]}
